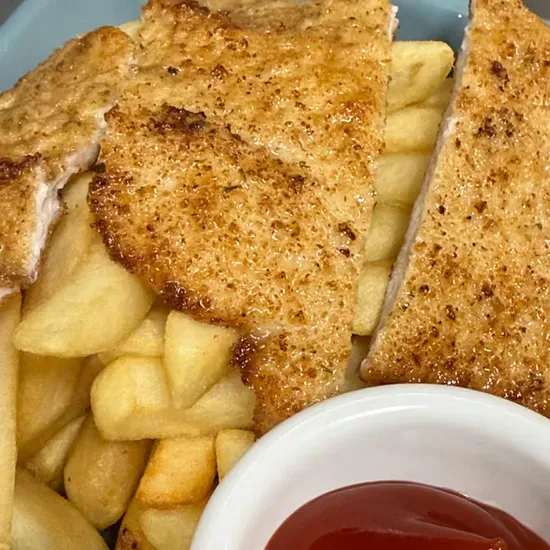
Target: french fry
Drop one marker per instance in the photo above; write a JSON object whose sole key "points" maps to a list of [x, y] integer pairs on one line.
{"points": [[412, 129], [166, 378], [196, 357], [131, 28], [441, 97], [130, 401], [231, 445], [101, 476], [130, 535], [47, 465], [6, 293], [180, 471], [44, 520], [418, 69], [386, 233], [75, 193], [100, 305], [67, 248], [78, 406], [46, 387], [9, 366], [372, 289], [147, 340], [399, 177], [129, 387], [360, 346], [170, 529]]}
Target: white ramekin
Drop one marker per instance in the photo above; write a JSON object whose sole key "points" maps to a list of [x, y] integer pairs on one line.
{"points": [[485, 447]]}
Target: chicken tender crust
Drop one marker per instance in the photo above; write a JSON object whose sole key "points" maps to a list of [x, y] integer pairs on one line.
{"points": [[238, 178], [50, 126]]}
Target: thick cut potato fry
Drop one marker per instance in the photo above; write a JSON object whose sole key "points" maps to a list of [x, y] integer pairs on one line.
{"points": [[360, 346], [101, 476], [386, 233], [412, 129], [6, 293], [231, 445], [196, 356], [172, 529], [42, 520], [180, 471], [372, 288], [131, 28], [46, 387], [418, 69], [441, 97], [96, 309], [9, 365], [130, 535], [147, 340], [130, 401], [399, 177], [78, 406], [47, 465], [67, 248]]}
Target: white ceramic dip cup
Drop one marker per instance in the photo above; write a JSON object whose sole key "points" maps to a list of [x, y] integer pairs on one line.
{"points": [[485, 447]]}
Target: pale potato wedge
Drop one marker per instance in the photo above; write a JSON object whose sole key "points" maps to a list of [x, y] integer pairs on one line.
{"points": [[196, 356], [147, 340], [131, 28], [130, 401], [412, 129], [386, 233], [418, 69], [67, 247], [372, 289], [399, 177], [228, 404], [78, 406], [231, 445], [101, 476], [47, 465], [46, 387], [75, 193], [42, 520], [441, 97], [129, 387], [180, 471], [9, 366], [172, 529], [130, 535], [100, 305]]}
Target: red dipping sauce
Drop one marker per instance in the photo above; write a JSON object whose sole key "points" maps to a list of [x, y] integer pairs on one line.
{"points": [[396, 515]]}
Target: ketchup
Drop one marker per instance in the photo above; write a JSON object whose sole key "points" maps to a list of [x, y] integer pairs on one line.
{"points": [[398, 515]]}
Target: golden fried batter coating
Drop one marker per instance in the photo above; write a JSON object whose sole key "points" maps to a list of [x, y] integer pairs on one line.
{"points": [[238, 178], [469, 304]]}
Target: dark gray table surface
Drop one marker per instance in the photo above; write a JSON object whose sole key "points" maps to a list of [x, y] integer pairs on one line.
{"points": [[6, 7]]}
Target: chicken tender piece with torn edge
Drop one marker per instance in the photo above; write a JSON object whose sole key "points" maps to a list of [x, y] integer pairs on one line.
{"points": [[50, 126]]}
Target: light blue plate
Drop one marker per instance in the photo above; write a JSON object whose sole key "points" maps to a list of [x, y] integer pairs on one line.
{"points": [[39, 26]]}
